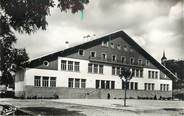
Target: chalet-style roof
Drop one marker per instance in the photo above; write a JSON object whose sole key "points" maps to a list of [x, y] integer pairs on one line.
{"points": [[94, 42]]}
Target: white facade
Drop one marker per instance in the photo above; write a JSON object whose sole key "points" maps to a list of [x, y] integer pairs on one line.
{"points": [[63, 76]]}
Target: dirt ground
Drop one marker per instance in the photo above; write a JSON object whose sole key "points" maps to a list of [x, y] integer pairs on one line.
{"points": [[98, 107]]}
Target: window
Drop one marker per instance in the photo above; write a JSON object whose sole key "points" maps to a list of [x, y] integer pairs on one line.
{"points": [[90, 68], [107, 84], [131, 85], [113, 70], [81, 52], [119, 47], [105, 43], [164, 87], [70, 65], [77, 66], [77, 83], [156, 75], [45, 63], [131, 60], [137, 72], [37, 81], [149, 74], [112, 45], [153, 74], [93, 54], [136, 85], [70, 82], [95, 68], [101, 69], [139, 62], [123, 84], [97, 84], [113, 58], [45, 81], [104, 56], [102, 84], [147, 62], [63, 64], [141, 73], [133, 71], [149, 86], [118, 71], [125, 47], [52, 81], [112, 84], [83, 83], [123, 59], [145, 86]]}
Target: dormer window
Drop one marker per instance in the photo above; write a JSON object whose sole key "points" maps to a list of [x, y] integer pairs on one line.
{"points": [[139, 62], [113, 58], [93, 54], [119, 47], [131, 60], [104, 56], [112, 45], [81, 52], [45, 63], [105, 43], [147, 62], [125, 47], [123, 59]]}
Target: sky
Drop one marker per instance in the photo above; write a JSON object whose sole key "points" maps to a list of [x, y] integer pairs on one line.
{"points": [[156, 25]]}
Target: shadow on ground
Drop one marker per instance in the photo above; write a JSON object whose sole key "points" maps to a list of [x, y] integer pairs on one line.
{"points": [[42, 111]]}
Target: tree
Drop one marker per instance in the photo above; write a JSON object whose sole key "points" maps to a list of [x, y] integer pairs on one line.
{"points": [[25, 16]]}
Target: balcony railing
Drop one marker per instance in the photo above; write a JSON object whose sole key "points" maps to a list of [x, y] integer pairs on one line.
{"points": [[115, 62]]}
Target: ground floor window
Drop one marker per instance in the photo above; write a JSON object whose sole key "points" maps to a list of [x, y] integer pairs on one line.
{"points": [[164, 87], [37, 81], [76, 83], [149, 86], [130, 85], [105, 84], [44, 81]]}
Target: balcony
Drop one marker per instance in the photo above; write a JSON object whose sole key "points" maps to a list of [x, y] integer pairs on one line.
{"points": [[116, 62]]}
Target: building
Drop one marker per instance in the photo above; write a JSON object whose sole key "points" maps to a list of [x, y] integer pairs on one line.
{"points": [[91, 69]]}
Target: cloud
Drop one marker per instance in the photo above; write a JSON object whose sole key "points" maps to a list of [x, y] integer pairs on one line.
{"points": [[156, 25]]}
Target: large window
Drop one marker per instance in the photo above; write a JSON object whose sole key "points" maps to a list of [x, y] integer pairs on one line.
{"points": [[153, 74], [90, 68], [37, 81], [105, 84], [76, 66], [101, 69], [45, 81], [70, 82], [63, 64], [77, 83], [52, 81], [70, 65], [149, 86], [95, 68], [83, 83], [164, 87]]}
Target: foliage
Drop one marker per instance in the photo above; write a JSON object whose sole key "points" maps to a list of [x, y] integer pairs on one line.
{"points": [[25, 16]]}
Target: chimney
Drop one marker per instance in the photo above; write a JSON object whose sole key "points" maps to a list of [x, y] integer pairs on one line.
{"points": [[66, 44]]}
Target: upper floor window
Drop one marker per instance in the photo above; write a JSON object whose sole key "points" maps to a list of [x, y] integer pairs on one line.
{"points": [[125, 47], [76, 66], [113, 58], [101, 69], [147, 63], [70, 65], [123, 59], [63, 64], [81, 52], [90, 69], [112, 45], [93, 54], [119, 47], [132, 60], [104, 56], [139, 62]]}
